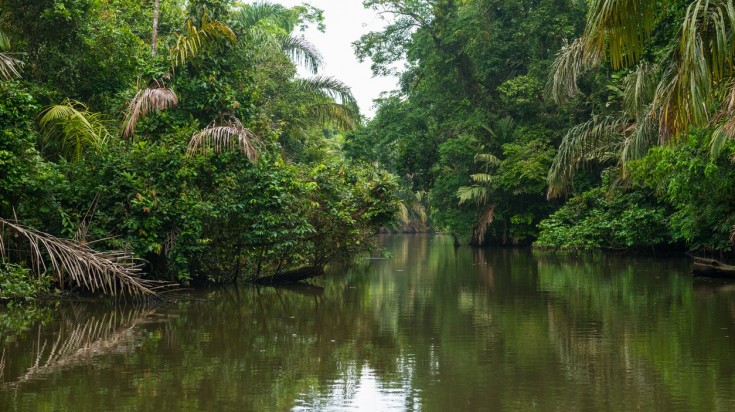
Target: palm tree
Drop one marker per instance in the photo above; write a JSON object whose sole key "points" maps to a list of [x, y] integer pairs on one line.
{"points": [[73, 128], [661, 102], [267, 29], [480, 192]]}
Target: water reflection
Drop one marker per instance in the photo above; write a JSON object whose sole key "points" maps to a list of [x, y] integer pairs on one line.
{"points": [[432, 328]]}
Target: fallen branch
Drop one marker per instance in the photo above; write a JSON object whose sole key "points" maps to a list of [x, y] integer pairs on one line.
{"points": [[292, 276], [711, 267]]}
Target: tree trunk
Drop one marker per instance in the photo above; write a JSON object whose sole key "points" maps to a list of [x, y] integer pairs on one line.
{"points": [[154, 36], [711, 267], [292, 276]]}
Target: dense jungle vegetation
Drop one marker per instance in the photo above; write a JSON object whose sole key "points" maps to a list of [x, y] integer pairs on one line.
{"points": [[571, 124], [179, 133]]}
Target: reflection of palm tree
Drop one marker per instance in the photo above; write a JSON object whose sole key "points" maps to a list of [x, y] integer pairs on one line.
{"points": [[79, 343]]}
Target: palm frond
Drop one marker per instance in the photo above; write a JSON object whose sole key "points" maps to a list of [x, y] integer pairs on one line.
{"points": [[638, 89], [483, 222], [570, 63], [328, 87], [706, 35], [156, 97], [302, 52], [637, 143], [481, 178], [223, 135], [699, 69], [211, 33], [504, 128], [333, 102], [10, 67], [73, 126], [340, 116], [620, 29], [5, 44], [264, 13], [113, 273], [474, 193], [487, 159], [596, 139]]}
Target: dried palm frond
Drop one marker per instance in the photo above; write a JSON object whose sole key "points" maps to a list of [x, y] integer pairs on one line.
{"points": [[156, 97], [483, 222], [9, 66], [224, 135], [113, 273], [80, 342]]}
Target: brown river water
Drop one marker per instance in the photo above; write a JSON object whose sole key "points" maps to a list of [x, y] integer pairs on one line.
{"points": [[431, 328]]}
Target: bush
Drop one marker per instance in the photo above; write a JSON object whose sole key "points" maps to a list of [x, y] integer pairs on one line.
{"points": [[599, 219], [17, 284]]}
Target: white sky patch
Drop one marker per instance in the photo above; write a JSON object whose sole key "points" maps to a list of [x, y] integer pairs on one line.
{"points": [[346, 21]]}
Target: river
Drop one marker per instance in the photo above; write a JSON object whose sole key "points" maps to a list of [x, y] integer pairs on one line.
{"points": [[431, 328]]}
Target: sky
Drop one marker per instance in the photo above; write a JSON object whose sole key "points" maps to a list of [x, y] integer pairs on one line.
{"points": [[346, 21]]}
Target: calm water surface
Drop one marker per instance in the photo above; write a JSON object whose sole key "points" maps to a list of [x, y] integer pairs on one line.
{"points": [[432, 328]]}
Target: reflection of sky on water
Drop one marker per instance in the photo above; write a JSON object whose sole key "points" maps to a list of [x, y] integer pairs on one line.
{"points": [[365, 392]]}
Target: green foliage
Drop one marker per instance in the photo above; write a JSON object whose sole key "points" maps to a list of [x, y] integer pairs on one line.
{"points": [[27, 180], [615, 220], [80, 47], [698, 189], [173, 192], [456, 89], [17, 284]]}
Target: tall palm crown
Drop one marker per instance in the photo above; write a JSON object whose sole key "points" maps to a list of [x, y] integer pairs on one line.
{"points": [[690, 86]]}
